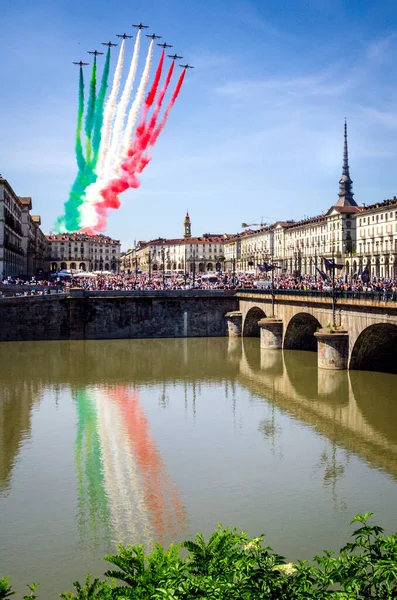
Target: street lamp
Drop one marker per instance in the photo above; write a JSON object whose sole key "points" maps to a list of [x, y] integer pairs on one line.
{"points": [[162, 258]]}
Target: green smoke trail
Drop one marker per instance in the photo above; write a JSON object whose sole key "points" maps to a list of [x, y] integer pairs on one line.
{"points": [[90, 116], [92, 497], [79, 148], [70, 220], [99, 105]]}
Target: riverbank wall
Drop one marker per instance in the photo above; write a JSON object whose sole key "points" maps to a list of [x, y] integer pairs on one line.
{"points": [[116, 315]]}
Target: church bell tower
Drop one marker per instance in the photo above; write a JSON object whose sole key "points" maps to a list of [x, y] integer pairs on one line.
{"points": [[187, 227]]}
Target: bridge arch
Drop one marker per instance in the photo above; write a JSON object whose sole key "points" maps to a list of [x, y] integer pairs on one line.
{"points": [[251, 327], [376, 349], [299, 334]]}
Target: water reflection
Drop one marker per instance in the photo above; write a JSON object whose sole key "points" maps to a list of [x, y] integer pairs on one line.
{"points": [[123, 483], [355, 409], [165, 435], [17, 400]]}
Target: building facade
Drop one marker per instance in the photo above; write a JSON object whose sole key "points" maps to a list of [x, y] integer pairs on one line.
{"points": [[23, 245], [376, 248], [203, 254], [83, 252]]}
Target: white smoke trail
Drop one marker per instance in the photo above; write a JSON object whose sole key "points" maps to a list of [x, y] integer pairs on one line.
{"points": [[87, 211], [136, 105], [123, 485], [119, 147], [119, 122], [109, 112]]}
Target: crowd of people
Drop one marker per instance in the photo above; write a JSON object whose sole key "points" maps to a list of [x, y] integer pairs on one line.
{"points": [[199, 281]]}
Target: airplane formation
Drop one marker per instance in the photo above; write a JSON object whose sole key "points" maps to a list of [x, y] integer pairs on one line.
{"points": [[124, 36]]}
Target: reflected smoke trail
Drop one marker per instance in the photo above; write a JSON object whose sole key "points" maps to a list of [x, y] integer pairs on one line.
{"points": [[165, 509], [91, 494], [127, 507], [123, 485]]}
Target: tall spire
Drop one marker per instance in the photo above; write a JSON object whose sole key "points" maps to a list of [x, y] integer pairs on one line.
{"points": [[345, 183], [345, 154]]}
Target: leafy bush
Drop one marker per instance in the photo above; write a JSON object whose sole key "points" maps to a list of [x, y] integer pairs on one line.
{"points": [[231, 567]]}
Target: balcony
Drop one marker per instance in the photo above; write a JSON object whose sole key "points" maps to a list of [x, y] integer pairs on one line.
{"points": [[13, 247]]}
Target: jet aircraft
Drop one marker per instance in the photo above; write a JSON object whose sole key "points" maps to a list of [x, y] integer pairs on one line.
{"points": [[174, 56], [140, 26], [165, 45], [94, 52], [124, 36], [186, 66], [81, 63], [153, 36], [108, 44]]}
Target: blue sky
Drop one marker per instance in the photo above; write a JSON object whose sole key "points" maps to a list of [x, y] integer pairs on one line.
{"points": [[258, 127]]}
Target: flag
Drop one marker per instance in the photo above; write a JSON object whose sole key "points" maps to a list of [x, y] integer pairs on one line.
{"points": [[328, 263], [268, 267], [322, 274], [331, 264], [365, 275]]}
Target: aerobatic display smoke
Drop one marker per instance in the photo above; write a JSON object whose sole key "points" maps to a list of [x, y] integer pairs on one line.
{"points": [[79, 148], [90, 116], [121, 113], [87, 211], [109, 112], [98, 115], [136, 161], [117, 149]]}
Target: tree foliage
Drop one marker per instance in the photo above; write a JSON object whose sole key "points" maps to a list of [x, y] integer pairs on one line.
{"points": [[229, 566]]}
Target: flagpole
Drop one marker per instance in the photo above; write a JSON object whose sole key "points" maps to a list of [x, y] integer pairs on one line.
{"points": [[272, 288]]}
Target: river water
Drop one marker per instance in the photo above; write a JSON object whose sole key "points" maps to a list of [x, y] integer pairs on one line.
{"points": [[138, 441]]}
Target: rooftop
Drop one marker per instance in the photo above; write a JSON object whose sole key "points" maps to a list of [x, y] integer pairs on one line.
{"points": [[81, 237]]}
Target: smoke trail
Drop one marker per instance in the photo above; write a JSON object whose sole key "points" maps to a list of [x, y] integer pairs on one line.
{"points": [[79, 148], [87, 210], [171, 103], [112, 165], [151, 96], [143, 135], [99, 104], [135, 163], [134, 111], [110, 109], [89, 118], [118, 126]]}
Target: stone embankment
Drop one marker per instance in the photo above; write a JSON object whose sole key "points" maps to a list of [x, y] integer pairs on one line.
{"points": [[116, 315]]}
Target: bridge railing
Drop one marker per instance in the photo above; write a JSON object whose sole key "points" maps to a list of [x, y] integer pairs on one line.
{"points": [[386, 296]]}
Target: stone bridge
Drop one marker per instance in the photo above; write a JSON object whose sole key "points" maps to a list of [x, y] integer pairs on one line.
{"points": [[365, 337]]}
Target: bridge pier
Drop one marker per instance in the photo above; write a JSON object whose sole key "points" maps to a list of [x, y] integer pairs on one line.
{"points": [[333, 349], [271, 333], [234, 323]]}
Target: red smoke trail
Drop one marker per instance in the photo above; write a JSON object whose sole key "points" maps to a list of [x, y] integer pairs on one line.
{"points": [[137, 161], [167, 512], [142, 140], [150, 97]]}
